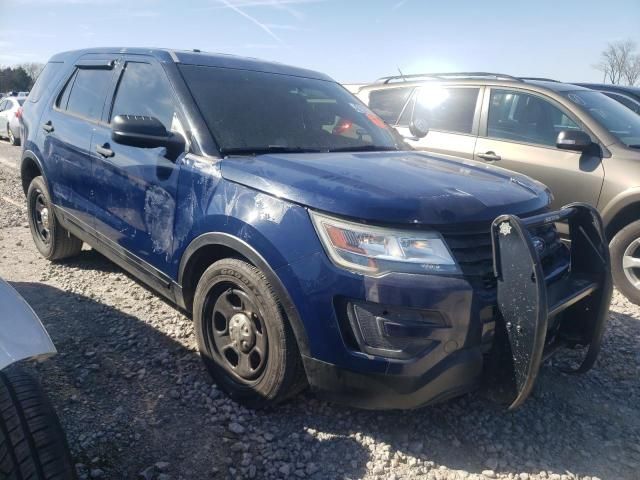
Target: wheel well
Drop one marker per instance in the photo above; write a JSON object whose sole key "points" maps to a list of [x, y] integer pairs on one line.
{"points": [[624, 217], [28, 172], [202, 259]]}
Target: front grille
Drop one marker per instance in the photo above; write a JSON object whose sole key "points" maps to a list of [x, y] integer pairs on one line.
{"points": [[473, 252]]}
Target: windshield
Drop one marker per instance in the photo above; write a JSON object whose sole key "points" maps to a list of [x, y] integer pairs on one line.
{"points": [[257, 112], [621, 122]]}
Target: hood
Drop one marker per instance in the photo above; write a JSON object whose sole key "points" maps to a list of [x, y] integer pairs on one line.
{"points": [[391, 187]]}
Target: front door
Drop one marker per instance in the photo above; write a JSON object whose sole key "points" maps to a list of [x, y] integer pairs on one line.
{"points": [[521, 133], [135, 188]]}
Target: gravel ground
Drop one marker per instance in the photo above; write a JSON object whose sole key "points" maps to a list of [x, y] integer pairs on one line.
{"points": [[137, 403]]}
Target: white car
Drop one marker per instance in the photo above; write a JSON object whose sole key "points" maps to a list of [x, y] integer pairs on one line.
{"points": [[36, 448], [10, 118]]}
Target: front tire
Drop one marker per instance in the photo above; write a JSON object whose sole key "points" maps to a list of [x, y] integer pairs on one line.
{"points": [[625, 261], [32, 442], [245, 340], [52, 240]]}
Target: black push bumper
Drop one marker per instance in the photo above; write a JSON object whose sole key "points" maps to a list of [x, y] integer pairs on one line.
{"points": [[539, 315], [537, 312]]}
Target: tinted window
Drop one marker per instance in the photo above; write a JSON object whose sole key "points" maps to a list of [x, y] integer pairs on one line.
{"points": [[447, 109], [45, 82], [624, 100], [88, 91], [388, 103], [144, 90], [621, 122], [525, 118], [253, 111]]}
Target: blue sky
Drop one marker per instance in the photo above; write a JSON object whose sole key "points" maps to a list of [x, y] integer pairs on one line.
{"points": [[351, 40]]}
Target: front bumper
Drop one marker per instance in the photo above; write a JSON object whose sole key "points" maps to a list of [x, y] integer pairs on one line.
{"points": [[454, 358]]}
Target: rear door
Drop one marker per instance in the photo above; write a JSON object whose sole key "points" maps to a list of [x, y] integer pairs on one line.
{"points": [[68, 126], [519, 131], [453, 116], [135, 188]]}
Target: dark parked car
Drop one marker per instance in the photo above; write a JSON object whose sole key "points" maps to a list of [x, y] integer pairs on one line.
{"points": [[626, 95], [578, 142], [309, 247]]}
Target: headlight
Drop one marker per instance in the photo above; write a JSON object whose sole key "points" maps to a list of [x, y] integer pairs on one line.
{"points": [[377, 250]]}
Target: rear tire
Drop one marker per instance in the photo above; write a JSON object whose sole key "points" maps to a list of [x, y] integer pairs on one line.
{"points": [[52, 240], [624, 248], [237, 314], [12, 138], [32, 442]]}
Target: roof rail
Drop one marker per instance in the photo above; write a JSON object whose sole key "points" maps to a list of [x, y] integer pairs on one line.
{"points": [[540, 79], [447, 75]]}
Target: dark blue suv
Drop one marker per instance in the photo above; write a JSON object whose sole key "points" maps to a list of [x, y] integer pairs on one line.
{"points": [[309, 245]]}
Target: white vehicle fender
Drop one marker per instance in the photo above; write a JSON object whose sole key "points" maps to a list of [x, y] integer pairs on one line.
{"points": [[22, 334]]}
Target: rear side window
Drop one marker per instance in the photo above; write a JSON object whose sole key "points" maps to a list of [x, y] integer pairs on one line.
{"points": [[447, 109], [85, 93], [46, 80], [388, 103], [144, 90]]}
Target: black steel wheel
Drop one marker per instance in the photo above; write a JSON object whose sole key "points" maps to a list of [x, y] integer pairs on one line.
{"points": [[236, 332], [244, 338], [40, 217], [52, 240]]}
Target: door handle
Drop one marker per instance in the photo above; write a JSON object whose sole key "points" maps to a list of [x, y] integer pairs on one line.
{"points": [[489, 156], [104, 150], [48, 127]]}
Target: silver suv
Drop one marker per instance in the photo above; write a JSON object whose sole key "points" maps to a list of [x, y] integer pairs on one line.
{"points": [[581, 143]]}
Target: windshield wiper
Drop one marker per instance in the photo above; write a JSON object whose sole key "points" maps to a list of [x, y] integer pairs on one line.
{"points": [[364, 148], [266, 150]]}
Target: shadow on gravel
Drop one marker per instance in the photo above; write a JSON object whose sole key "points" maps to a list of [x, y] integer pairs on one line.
{"points": [[130, 398], [90, 259]]}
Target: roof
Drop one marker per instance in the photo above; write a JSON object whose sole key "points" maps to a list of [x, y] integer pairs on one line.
{"points": [[470, 78], [611, 87], [196, 57]]}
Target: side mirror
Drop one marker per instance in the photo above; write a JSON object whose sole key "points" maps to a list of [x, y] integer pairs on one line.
{"points": [[419, 127], [145, 132], [576, 140]]}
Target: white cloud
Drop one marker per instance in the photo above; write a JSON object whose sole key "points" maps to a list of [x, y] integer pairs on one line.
{"points": [[400, 4], [252, 19]]}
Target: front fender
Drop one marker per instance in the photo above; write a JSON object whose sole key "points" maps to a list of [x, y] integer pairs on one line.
{"points": [[22, 334], [624, 199]]}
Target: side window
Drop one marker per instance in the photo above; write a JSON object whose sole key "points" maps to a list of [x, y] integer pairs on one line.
{"points": [[624, 100], [84, 94], [447, 109], [144, 90], [3, 105], [525, 118], [388, 103]]}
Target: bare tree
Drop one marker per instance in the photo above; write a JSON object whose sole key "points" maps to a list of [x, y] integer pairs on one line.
{"points": [[33, 69], [632, 72], [616, 59]]}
